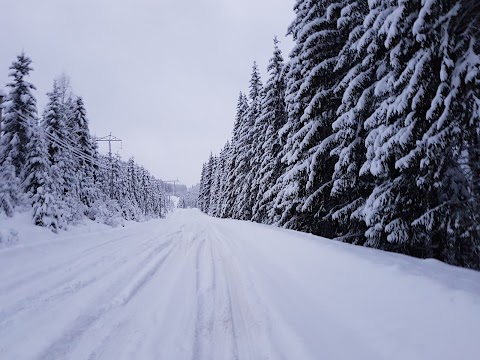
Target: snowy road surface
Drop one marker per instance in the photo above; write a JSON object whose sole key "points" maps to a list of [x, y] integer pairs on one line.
{"points": [[194, 287]]}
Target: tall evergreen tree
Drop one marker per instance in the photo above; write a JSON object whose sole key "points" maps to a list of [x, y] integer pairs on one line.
{"points": [[53, 124], [206, 185], [223, 176], [39, 185], [450, 215], [9, 187], [231, 185], [415, 138], [85, 164], [272, 118], [215, 186], [358, 69], [304, 198], [246, 161], [20, 114]]}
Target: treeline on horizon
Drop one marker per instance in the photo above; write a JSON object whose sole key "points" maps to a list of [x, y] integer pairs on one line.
{"points": [[50, 163], [369, 134]]}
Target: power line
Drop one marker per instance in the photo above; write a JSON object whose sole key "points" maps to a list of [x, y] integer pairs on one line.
{"points": [[64, 145], [78, 153]]}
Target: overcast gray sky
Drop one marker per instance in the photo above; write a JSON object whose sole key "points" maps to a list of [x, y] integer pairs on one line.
{"points": [[163, 76]]}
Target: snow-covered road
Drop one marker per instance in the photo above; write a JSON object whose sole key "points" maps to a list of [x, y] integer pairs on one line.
{"points": [[194, 287]]}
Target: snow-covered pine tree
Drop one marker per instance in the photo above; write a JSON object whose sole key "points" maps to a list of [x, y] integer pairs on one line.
{"points": [[20, 114], [38, 184], [469, 24], [131, 205], [201, 190], [118, 180], [246, 159], [258, 151], [9, 187], [59, 157], [414, 146], [451, 122], [67, 108], [103, 176], [231, 191], [286, 189], [215, 187], [304, 199], [205, 190], [149, 194], [88, 193], [156, 197], [273, 117], [399, 91], [358, 63], [222, 173], [142, 191]]}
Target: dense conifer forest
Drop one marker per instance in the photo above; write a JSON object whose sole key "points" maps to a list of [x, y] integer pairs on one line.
{"points": [[50, 162], [369, 133]]}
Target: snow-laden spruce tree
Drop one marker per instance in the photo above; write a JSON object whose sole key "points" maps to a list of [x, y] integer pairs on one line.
{"points": [[148, 189], [215, 186], [38, 184], [415, 143], [206, 185], [272, 118], [395, 199], [85, 167], [231, 191], [259, 130], [67, 107], [131, 207], [223, 174], [304, 197], [219, 178], [9, 187], [118, 179], [451, 214], [59, 153], [141, 191], [357, 65], [20, 115], [245, 157], [201, 194], [53, 124]]}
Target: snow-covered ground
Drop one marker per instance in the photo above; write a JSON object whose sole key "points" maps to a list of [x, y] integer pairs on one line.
{"points": [[195, 287]]}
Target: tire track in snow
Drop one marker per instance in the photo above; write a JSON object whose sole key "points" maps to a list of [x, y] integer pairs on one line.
{"points": [[125, 292], [203, 326], [250, 316], [242, 270], [37, 274], [215, 329], [75, 281]]}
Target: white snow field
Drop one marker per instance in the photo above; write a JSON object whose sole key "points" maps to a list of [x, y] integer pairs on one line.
{"points": [[195, 287]]}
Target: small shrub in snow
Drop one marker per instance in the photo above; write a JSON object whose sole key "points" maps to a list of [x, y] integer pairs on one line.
{"points": [[8, 237], [107, 212]]}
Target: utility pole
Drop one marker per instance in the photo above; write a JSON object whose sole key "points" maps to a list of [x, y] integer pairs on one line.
{"points": [[110, 138], [174, 182]]}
